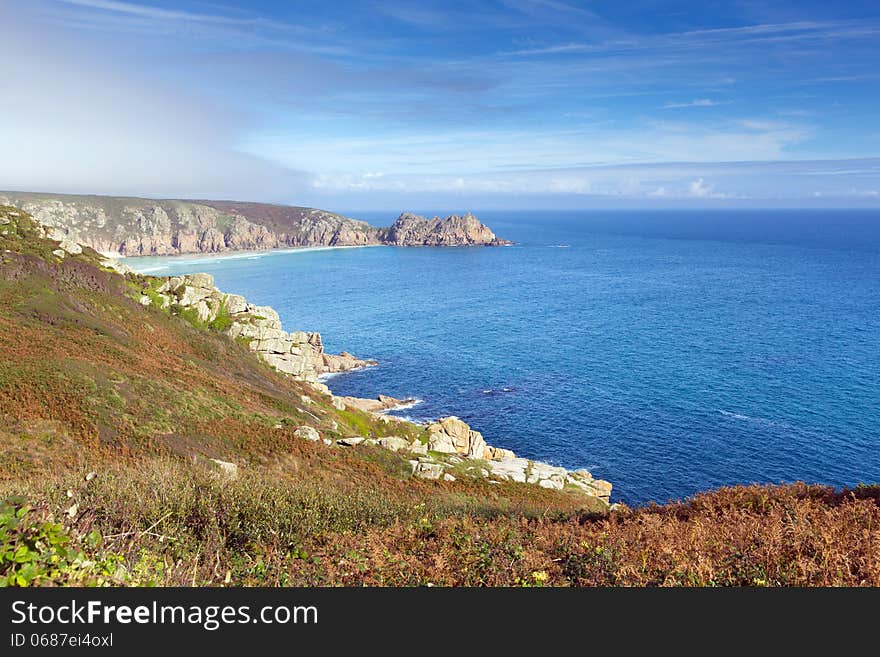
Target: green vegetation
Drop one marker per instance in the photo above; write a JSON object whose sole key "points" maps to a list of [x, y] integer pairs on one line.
{"points": [[189, 315], [168, 522], [34, 551], [222, 321]]}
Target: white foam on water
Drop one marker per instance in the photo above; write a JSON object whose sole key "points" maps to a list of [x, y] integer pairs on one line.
{"points": [[402, 407], [754, 420], [188, 260]]}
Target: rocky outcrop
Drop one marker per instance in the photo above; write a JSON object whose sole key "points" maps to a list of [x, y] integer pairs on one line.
{"points": [[453, 436], [456, 230], [378, 405], [135, 227], [453, 445], [299, 354], [342, 362]]}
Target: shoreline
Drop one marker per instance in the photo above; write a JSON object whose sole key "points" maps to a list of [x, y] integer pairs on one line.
{"points": [[227, 255]]}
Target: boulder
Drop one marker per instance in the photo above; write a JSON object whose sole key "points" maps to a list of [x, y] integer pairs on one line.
{"points": [[476, 445], [235, 304], [230, 470], [393, 443], [538, 472], [204, 311], [344, 362], [428, 470], [308, 433], [381, 403], [514, 469], [268, 313], [350, 441], [190, 295], [321, 387], [441, 442], [271, 345], [497, 453], [453, 436], [205, 281], [286, 363], [602, 488]]}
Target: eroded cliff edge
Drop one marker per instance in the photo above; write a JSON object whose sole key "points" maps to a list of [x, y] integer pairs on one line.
{"points": [[137, 226]]}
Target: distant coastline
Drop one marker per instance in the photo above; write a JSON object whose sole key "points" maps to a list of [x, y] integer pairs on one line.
{"points": [[127, 226]]}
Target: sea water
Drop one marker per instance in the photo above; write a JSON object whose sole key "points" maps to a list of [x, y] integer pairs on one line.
{"points": [[668, 352]]}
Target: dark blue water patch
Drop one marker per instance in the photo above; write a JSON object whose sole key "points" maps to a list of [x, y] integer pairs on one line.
{"points": [[668, 353]]}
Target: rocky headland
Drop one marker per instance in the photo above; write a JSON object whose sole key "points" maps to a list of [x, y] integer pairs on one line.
{"points": [[451, 448], [455, 230], [138, 227], [299, 354]]}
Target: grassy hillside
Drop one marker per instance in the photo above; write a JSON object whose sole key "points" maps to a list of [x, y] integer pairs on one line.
{"points": [[111, 413]]}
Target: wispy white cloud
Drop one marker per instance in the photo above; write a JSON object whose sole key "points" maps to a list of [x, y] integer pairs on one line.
{"points": [[159, 13], [666, 183], [704, 38], [456, 151], [699, 102]]}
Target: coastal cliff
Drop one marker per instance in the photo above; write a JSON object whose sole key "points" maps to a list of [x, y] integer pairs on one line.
{"points": [[135, 226], [446, 449], [449, 444], [299, 354]]}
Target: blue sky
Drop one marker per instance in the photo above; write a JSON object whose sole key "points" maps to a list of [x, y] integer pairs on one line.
{"points": [[390, 104]]}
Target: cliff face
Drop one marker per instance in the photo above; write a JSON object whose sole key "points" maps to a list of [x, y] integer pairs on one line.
{"points": [[133, 227], [299, 354]]}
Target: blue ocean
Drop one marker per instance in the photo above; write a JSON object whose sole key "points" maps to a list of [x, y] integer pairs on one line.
{"points": [[666, 351]]}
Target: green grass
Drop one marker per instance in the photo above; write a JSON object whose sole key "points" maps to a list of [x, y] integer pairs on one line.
{"points": [[222, 321], [189, 315]]}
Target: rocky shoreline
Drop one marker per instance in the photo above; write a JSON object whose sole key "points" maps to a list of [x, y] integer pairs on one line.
{"points": [[449, 448], [452, 448]]}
